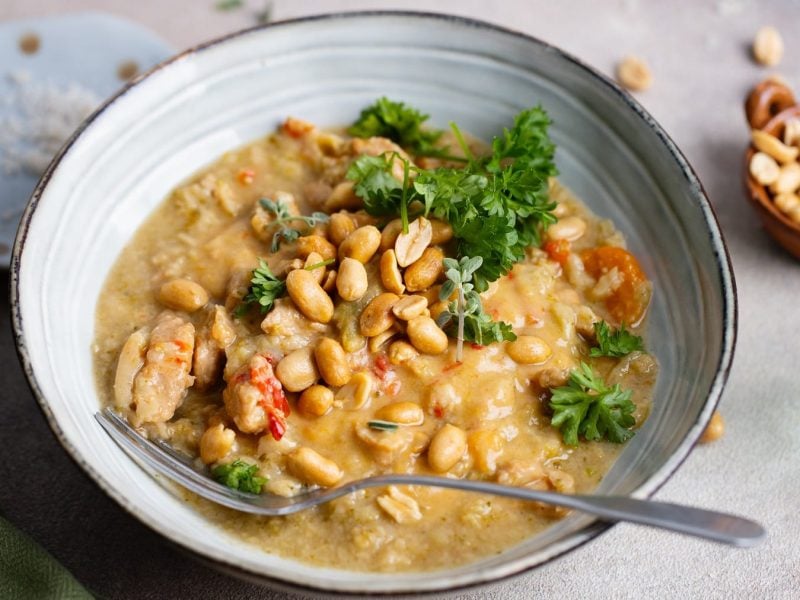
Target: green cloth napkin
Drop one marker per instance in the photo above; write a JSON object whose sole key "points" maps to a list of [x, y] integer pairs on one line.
{"points": [[28, 572]]}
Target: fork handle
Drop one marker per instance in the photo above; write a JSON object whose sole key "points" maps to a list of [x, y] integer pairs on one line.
{"points": [[697, 522]]}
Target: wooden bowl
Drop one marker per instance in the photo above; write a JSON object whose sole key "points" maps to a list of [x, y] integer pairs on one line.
{"points": [[769, 106]]}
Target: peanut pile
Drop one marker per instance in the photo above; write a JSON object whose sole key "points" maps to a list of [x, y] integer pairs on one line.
{"points": [[775, 166]]}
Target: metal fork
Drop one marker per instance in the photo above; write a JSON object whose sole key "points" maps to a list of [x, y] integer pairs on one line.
{"points": [[698, 522]]}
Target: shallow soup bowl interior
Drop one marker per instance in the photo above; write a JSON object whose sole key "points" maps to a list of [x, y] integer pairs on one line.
{"points": [[187, 112]]}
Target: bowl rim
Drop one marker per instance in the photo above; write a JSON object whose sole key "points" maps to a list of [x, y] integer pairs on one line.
{"points": [[592, 530]]}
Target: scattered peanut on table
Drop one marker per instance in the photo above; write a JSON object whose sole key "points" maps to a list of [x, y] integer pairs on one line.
{"points": [[634, 74], [768, 46], [714, 429]]}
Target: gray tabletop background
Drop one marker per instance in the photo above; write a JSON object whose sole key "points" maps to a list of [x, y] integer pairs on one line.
{"points": [[699, 56]]}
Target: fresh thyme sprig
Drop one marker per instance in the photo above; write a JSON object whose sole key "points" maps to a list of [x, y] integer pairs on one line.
{"points": [[283, 217], [465, 317]]}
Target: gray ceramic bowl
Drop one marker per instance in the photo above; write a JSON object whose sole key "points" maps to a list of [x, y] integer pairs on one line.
{"points": [[186, 112]]}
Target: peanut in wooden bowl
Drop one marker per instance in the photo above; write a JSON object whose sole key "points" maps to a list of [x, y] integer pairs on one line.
{"points": [[766, 109]]}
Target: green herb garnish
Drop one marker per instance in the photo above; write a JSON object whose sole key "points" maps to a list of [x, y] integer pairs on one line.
{"points": [[382, 425], [588, 407], [265, 288], [226, 5], [375, 184], [265, 15], [614, 343], [320, 264], [402, 124], [239, 475], [283, 217], [464, 318], [495, 204]]}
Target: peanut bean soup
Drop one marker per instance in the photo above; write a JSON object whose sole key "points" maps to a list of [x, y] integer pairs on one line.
{"points": [[317, 307]]}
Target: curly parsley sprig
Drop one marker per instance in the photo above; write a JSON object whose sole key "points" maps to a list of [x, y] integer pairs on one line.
{"points": [[588, 407], [283, 217], [402, 124], [615, 344], [496, 204], [239, 475], [266, 287]]}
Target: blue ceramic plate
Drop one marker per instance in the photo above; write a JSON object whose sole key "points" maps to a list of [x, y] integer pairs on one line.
{"points": [[86, 49]]}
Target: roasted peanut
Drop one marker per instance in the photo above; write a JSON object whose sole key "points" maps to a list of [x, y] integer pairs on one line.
{"points": [[585, 318], [552, 377], [768, 46], [315, 243], [714, 429], [297, 370], [315, 401], [485, 446], [332, 362], [401, 507], [341, 197], [287, 265], [362, 218], [308, 296], [377, 342], [183, 294], [340, 226], [529, 350], [791, 132], [634, 74], [787, 203], [409, 307], [764, 169], [569, 229], [447, 448], [432, 294], [389, 234], [312, 467], [361, 244], [215, 443], [363, 384], [330, 281], [788, 179], [400, 352], [405, 413], [426, 336], [441, 232], [312, 260], [774, 147], [391, 278], [409, 246], [351, 282], [377, 317], [437, 308], [424, 272]]}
